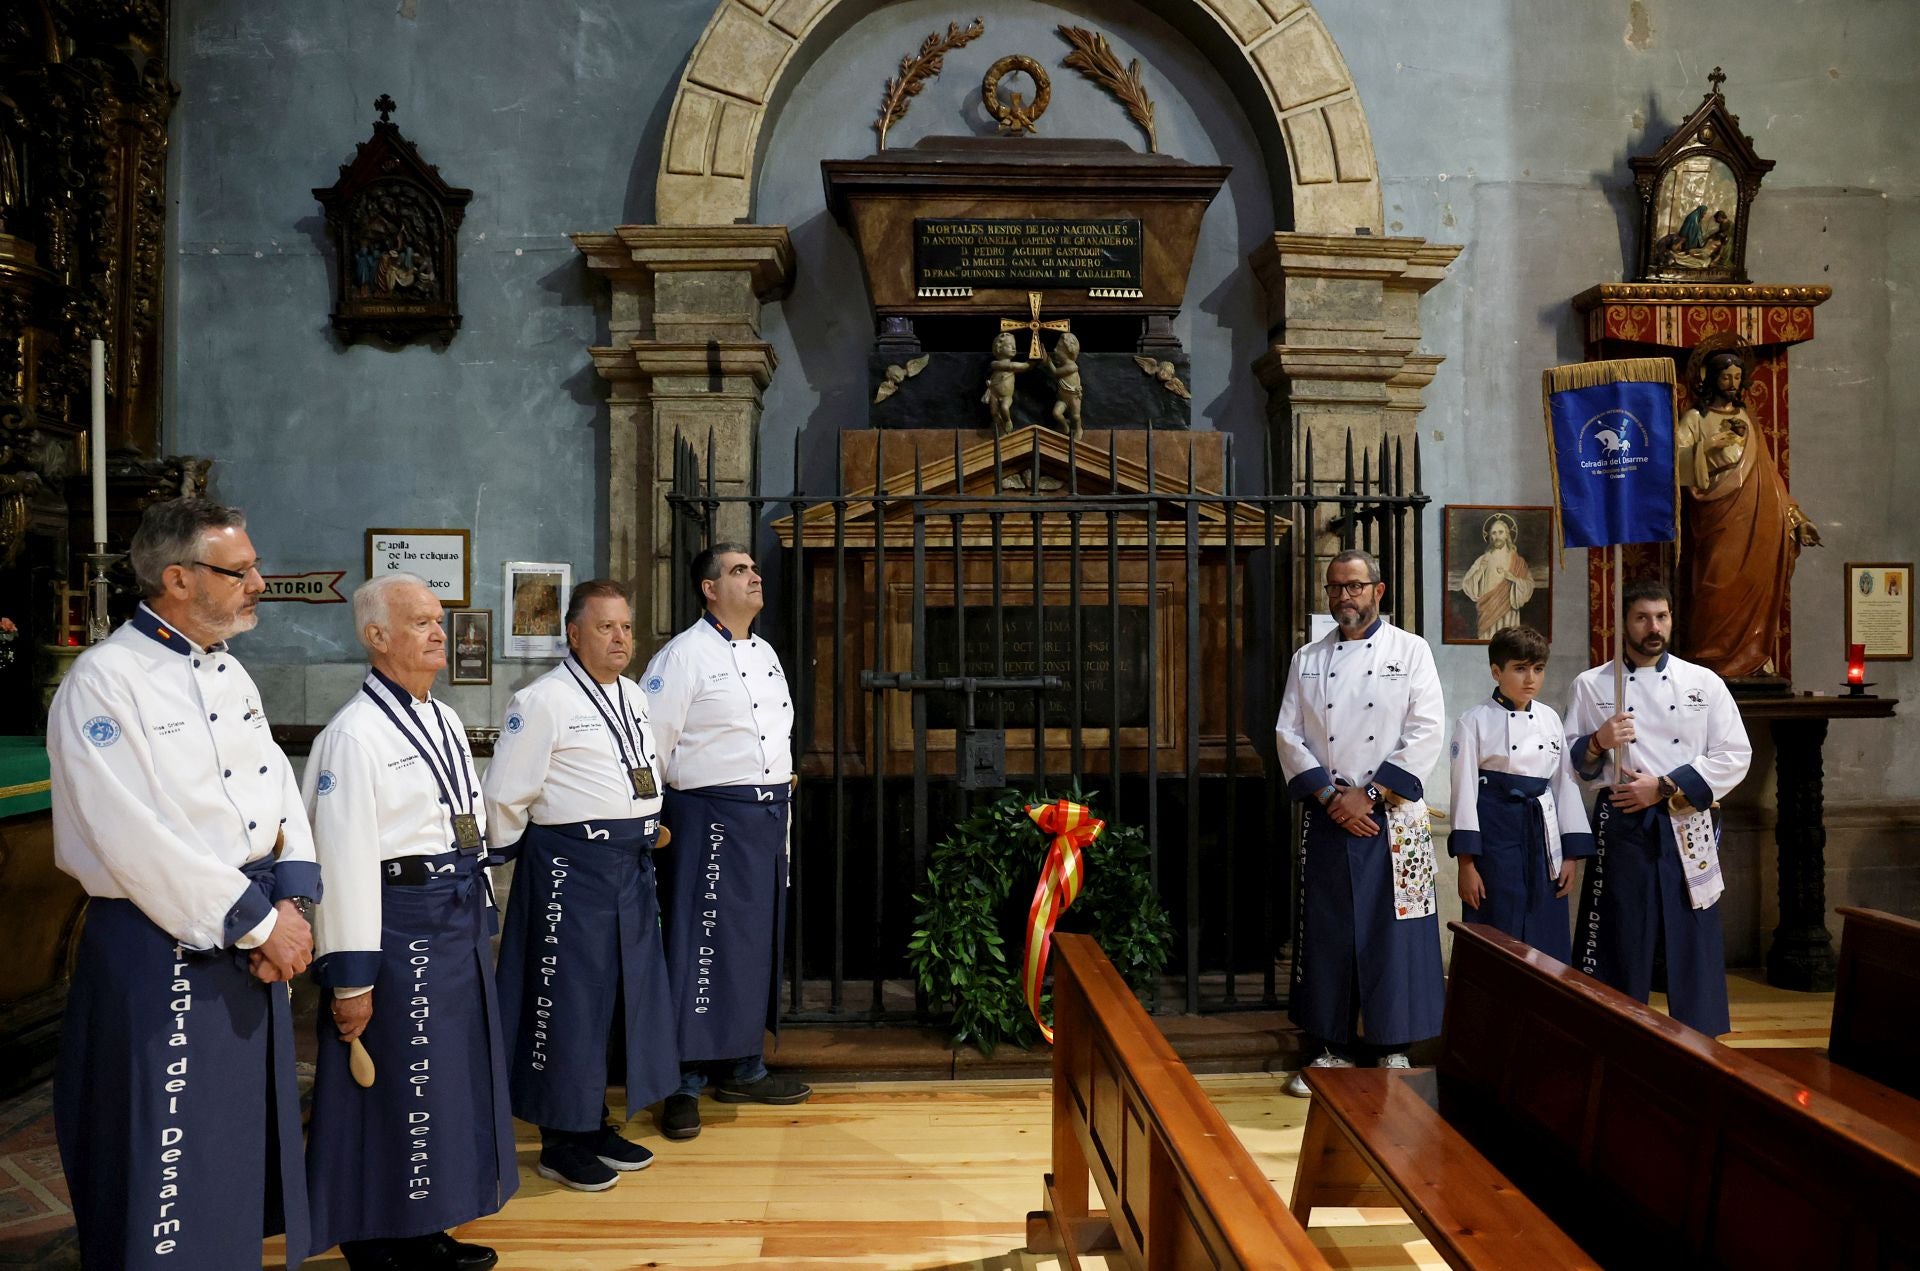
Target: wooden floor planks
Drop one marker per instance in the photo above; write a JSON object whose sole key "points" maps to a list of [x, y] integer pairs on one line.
{"points": [[928, 1176]]}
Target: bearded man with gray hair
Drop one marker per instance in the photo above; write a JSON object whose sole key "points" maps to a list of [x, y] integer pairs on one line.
{"points": [[175, 1106], [404, 962]]}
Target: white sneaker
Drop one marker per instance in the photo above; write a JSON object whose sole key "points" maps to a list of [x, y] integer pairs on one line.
{"points": [[1297, 1083], [1398, 1059]]}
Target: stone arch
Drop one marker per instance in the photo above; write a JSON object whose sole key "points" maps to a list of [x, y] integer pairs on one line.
{"points": [[1276, 55]]}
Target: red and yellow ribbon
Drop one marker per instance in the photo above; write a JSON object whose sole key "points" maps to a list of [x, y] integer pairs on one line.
{"points": [[1073, 828]]}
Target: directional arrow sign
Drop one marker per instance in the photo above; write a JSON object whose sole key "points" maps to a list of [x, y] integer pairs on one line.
{"points": [[316, 588]]}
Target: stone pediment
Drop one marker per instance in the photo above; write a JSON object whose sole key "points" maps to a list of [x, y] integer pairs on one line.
{"points": [[965, 478]]}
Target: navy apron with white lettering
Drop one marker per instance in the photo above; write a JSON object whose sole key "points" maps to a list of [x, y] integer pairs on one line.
{"points": [[1635, 898], [723, 915], [174, 1103], [1357, 966], [582, 934], [1513, 864], [429, 1145]]}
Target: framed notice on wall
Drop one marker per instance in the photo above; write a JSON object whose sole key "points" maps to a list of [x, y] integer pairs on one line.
{"points": [[439, 556], [536, 602], [1880, 609]]}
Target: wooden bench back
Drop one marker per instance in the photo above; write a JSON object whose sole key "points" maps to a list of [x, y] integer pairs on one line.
{"points": [[1876, 999], [1651, 1144], [1180, 1189]]}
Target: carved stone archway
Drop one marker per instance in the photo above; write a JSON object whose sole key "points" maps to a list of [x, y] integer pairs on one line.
{"points": [[686, 358], [1275, 54]]}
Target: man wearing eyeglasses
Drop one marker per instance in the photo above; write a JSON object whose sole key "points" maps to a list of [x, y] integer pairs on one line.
{"points": [[175, 1106], [1359, 730]]}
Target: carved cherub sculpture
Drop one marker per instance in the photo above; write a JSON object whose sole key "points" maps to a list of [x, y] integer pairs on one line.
{"points": [[1000, 373], [1064, 365]]}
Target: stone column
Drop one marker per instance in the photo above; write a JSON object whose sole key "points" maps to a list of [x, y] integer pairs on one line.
{"points": [[1344, 313], [686, 363]]}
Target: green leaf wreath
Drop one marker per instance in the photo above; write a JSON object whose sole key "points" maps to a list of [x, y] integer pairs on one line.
{"points": [[970, 931]]}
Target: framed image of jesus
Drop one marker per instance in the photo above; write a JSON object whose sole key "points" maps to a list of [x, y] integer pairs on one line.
{"points": [[1498, 571]]}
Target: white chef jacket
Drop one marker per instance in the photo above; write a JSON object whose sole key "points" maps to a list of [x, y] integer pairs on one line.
{"points": [[166, 780], [1361, 710], [372, 799], [1689, 728], [1497, 736], [721, 709], [558, 762]]}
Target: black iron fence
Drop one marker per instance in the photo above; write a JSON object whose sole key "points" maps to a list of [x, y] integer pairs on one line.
{"points": [[1060, 617]]}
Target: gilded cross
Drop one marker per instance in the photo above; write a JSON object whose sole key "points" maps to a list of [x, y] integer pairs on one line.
{"points": [[1716, 79], [1033, 326]]}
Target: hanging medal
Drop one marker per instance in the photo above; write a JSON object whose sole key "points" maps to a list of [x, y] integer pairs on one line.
{"points": [[456, 790], [619, 721]]}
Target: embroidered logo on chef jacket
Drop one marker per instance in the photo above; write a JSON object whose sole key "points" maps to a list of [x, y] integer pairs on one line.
{"points": [[515, 723], [102, 731], [655, 683], [1553, 743], [1696, 700], [326, 783], [1393, 669], [254, 712], [1456, 749]]}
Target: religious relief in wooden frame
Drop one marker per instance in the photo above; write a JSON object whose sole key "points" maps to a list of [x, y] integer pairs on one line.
{"points": [[394, 225], [1696, 192]]}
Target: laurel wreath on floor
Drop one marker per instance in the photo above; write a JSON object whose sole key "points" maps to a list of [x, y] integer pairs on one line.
{"points": [[969, 933]]}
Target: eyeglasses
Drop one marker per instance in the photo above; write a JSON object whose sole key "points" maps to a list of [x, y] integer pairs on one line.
{"points": [[240, 574], [1349, 589]]}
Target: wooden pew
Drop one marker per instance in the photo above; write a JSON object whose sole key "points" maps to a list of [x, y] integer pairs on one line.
{"points": [[1180, 1190], [1872, 1061], [1641, 1141]]}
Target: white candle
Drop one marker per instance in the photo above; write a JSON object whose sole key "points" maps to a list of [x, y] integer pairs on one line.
{"points": [[99, 456]]}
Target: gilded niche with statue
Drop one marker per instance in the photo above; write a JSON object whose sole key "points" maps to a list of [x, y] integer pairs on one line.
{"points": [[1077, 248]]}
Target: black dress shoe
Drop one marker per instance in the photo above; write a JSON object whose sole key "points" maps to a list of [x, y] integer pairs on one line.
{"points": [[680, 1116], [379, 1255], [772, 1088], [452, 1255]]}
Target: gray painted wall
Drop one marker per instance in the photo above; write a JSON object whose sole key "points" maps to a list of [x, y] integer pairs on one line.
{"points": [[1501, 126]]}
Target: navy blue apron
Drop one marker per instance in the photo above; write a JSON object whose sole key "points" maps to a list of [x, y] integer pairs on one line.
{"points": [[1636, 898], [583, 933], [1358, 968], [1513, 864], [723, 915], [429, 1145], [174, 1104]]}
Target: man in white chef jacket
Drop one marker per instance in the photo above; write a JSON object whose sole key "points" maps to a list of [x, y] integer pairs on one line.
{"points": [[1654, 880], [573, 793], [722, 713], [174, 1105], [1358, 734], [404, 961]]}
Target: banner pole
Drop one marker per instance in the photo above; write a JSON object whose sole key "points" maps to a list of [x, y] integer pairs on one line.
{"points": [[1619, 663]]}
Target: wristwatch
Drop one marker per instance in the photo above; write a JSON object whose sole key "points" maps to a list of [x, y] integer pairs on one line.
{"points": [[1373, 793], [304, 904]]}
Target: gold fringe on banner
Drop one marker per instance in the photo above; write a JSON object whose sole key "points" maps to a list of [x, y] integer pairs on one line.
{"points": [[1623, 370]]}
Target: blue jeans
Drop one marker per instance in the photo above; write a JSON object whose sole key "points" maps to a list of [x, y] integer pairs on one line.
{"points": [[740, 1072]]}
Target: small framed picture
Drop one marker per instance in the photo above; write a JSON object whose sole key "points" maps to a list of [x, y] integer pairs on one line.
{"points": [[470, 632], [536, 595], [1880, 609], [1499, 571]]}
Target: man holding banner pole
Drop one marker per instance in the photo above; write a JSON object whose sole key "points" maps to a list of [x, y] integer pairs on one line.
{"points": [[1676, 736]]}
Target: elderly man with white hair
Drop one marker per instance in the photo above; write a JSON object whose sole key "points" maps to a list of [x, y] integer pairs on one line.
{"points": [[402, 954]]}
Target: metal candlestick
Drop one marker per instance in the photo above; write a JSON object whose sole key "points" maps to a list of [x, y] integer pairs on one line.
{"points": [[97, 591]]}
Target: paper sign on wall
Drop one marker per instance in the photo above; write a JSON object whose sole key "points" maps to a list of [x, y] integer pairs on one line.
{"points": [[321, 587], [439, 556]]}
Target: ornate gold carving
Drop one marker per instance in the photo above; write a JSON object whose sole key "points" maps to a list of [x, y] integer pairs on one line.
{"points": [[1033, 325], [1093, 58], [1696, 293], [898, 375], [1015, 115], [917, 68], [1166, 372]]}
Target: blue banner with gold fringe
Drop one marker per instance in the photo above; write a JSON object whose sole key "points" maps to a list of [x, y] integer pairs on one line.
{"points": [[1610, 428]]}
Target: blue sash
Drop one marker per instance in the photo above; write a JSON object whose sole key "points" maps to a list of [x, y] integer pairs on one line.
{"points": [[174, 1103], [583, 932], [723, 889], [430, 1145]]}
